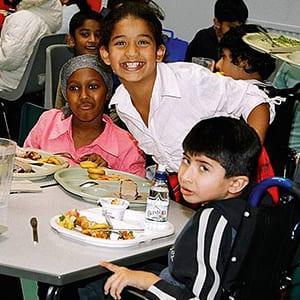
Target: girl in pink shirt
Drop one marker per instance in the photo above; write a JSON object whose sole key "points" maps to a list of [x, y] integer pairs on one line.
{"points": [[81, 128]]}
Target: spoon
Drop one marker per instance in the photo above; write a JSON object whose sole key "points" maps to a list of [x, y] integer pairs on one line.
{"points": [[34, 223]]}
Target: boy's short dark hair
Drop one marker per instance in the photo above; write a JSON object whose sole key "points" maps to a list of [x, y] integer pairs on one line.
{"points": [[262, 63], [230, 142], [80, 17], [231, 11], [148, 11]]}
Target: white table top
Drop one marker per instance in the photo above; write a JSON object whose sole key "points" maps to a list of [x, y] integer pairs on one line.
{"points": [[55, 259]]}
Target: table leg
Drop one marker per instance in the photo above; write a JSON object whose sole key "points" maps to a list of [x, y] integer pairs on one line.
{"points": [[54, 292]]}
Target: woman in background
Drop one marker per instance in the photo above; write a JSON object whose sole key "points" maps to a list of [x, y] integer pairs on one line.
{"points": [[20, 32]]}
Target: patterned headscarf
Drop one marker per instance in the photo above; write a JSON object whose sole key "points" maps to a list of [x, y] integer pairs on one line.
{"points": [[82, 62]]}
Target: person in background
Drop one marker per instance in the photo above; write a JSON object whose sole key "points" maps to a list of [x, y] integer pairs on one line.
{"points": [[83, 38], [20, 32], [288, 76], [81, 129], [159, 103], [5, 9], [71, 7], [239, 61], [217, 171], [227, 14]]}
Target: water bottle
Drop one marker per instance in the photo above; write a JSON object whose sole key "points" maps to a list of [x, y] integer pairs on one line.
{"points": [[158, 200]]}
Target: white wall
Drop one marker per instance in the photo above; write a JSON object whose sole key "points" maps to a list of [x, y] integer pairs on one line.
{"points": [[186, 17]]}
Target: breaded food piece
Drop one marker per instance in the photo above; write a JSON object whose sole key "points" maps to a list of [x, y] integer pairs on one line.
{"points": [[86, 164], [98, 170]]}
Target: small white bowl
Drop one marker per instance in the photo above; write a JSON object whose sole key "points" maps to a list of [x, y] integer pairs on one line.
{"points": [[114, 207]]}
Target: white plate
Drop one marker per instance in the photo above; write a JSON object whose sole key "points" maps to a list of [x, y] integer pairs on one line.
{"points": [[259, 42], [71, 178], [43, 171], [132, 219]]}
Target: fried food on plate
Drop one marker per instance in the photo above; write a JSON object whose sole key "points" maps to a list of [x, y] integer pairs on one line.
{"points": [[86, 164]]}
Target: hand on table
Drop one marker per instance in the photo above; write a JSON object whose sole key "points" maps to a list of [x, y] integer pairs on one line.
{"points": [[95, 158], [123, 277]]}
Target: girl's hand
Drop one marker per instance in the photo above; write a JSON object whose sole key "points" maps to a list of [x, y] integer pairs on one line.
{"points": [[123, 277], [95, 158]]}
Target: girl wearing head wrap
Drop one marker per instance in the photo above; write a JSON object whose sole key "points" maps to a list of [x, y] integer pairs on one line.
{"points": [[81, 128]]}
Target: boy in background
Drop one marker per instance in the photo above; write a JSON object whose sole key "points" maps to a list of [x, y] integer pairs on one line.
{"points": [[239, 61], [228, 13], [217, 170], [83, 38]]}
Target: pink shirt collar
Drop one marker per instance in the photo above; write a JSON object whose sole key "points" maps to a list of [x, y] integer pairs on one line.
{"points": [[108, 135]]}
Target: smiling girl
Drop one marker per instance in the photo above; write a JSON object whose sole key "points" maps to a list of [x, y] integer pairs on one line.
{"points": [[82, 129], [159, 102]]}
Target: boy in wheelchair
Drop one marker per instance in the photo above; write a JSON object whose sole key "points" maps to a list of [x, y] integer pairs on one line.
{"points": [[217, 170]]}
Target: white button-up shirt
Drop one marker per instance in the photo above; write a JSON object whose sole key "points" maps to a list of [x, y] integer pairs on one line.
{"points": [[183, 94]]}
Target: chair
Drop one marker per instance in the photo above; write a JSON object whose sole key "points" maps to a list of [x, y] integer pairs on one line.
{"points": [[30, 114], [262, 259], [56, 56], [277, 138], [176, 48], [33, 80]]}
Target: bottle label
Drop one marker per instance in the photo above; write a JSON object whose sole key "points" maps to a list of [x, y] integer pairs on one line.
{"points": [[157, 206]]}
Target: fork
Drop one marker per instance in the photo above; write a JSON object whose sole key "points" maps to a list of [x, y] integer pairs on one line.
{"points": [[109, 222], [67, 155], [264, 32]]}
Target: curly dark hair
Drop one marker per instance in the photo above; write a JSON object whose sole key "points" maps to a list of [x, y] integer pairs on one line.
{"points": [[262, 63]]}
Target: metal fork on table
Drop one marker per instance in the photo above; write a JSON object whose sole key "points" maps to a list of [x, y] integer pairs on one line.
{"points": [[67, 155]]}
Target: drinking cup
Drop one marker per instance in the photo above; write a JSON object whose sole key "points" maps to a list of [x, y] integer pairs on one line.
{"points": [[206, 62], [114, 207], [7, 155]]}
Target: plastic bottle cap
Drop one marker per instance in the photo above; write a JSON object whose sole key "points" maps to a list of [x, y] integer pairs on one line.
{"points": [[161, 168]]}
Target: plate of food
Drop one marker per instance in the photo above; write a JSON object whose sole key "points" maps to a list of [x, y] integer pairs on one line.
{"points": [[105, 183], [89, 226], [278, 45], [35, 164]]}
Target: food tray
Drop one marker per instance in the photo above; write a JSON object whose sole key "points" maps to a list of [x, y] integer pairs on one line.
{"points": [[132, 219], [71, 179]]}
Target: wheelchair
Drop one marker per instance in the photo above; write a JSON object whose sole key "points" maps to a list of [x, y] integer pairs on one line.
{"points": [[262, 258]]}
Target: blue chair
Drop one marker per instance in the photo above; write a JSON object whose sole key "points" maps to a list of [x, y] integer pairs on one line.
{"points": [[176, 48]]}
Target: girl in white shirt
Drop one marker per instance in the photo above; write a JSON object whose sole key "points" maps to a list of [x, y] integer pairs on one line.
{"points": [[160, 103]]}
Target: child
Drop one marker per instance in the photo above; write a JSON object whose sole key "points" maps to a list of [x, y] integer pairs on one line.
{"points": [[228, 13], [240, 61], [217, 170], [82, 129], [83, 38], [159, 103]]}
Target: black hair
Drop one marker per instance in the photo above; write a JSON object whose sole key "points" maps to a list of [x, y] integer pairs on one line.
{"points": [[80, 17], [259, 62], [12, 3], [145, 10], [230, 142], [82, 4], [231, 11]]}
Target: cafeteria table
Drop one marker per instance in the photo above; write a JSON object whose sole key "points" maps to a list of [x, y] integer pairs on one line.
{"points": [[57, 260]]}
